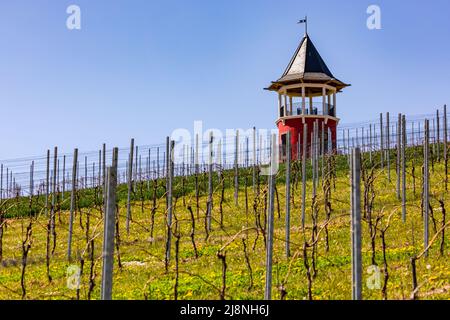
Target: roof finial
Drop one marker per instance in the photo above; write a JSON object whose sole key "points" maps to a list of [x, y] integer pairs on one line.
{"points": [[305, 21]]}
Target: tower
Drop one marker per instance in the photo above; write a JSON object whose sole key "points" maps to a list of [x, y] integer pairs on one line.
{"points": [[307, 95]]}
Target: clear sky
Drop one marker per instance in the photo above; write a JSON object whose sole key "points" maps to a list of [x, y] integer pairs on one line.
{"points": [[144, 68]]}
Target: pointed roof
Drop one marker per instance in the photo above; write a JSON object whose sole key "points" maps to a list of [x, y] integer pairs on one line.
{"points": [[307, 65]]}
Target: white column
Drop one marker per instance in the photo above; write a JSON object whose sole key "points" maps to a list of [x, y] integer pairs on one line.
{"points": [[279, 105], [285, 105], [324, 101], [334, 102], [303, 101], [329, 104], [290, 105]]}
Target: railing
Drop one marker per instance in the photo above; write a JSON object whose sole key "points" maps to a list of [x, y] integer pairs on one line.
{"points": [[316, 109]]}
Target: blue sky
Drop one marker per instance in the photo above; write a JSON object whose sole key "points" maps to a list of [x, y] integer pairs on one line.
{"points": [[144, 68]]}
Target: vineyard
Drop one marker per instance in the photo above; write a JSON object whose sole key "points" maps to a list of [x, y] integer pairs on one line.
{"points": [[366, 220]]}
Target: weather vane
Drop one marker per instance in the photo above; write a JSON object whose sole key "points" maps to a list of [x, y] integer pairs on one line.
{"points": [[305, 21]]}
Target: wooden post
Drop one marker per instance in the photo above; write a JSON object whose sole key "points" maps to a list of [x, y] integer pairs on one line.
{"points": [[109, 229], [288, 193], [270, 211], [356, 225], [130, 185], [72, 202]]}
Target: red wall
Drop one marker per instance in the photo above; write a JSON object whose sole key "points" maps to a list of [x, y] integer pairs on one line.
{"points": [[295, 126]]}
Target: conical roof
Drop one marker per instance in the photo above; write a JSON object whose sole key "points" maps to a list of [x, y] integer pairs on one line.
{"points": [[307, 65]]}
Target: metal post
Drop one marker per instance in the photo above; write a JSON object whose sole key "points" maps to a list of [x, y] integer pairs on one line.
{"points": [[399, 151], [52, 210], [356, 225], [426, 188], [445, 148], [47, 182], [31, 180], [130, 185], [1, 183], [288, 192], [381, 141], [102, 169], [236, 169], [270, 210], [169, 199], [305, 150], [72, 202], [438, 136], [322, 149], [210, 183], [314, 157], [403, 168], [64, 177], [109, 229], [254, 160], [157, 163], [388, 147], [370, 143]]}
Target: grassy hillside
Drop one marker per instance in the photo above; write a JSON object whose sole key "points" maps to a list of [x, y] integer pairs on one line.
{"points": [[239, 240]]}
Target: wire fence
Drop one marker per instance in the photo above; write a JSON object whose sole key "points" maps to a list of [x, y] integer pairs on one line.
{"points": [[244, 149]]}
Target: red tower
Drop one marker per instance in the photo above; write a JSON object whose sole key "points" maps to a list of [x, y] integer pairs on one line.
{"points": [[307, 95]]}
